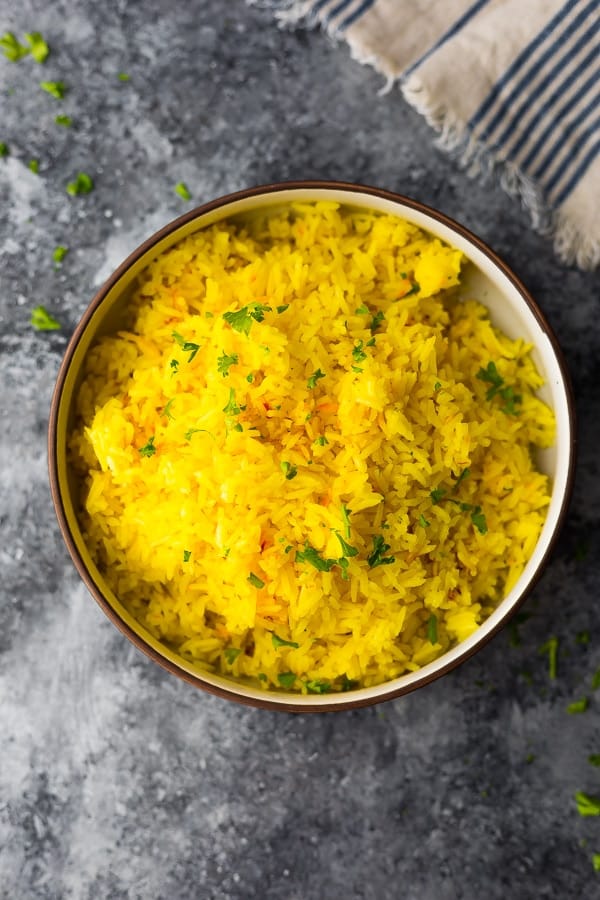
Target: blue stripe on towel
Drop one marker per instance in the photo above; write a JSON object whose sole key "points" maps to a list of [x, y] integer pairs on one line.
{"points": [[337, 9], [524, 56], [568, 129], [364, 6], [458, 25], [578, 174], [553, 74], [571, 159]]}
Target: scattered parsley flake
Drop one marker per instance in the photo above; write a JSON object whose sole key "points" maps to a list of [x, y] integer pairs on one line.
{"points": [[232, 409], [231, 654], [187, 555], [262, 676], [187, 346], [358, 354], [174, 364], [241, 319], [415, 288], [586, 805], [432, 635], [492, 377], [288, 470], [437, 494], [348, 684], [57, 89], [317, 687], [371, 342], [82, 184], [551, 648], [11, 48], [280, 642], [423, 521], [59, 253], [65, 121], [250, 378], [379, 548], [596, 680], [346, 513], [255, 581], [357, 369], [464, 474], [4, 151], [312, 556], [287, 548], [38, 47], [225, 361], [286, 679], [34, 166], [182, 191], [361, 310], [347, 549], [148, 449], [282, 309], [43, 320], [312, 381], [321, 440], [437, 386], [596, 862], [377, 320], [479, 521], [594, 759], [192, 431], [578, 706], [123, 76], [166, 412]]}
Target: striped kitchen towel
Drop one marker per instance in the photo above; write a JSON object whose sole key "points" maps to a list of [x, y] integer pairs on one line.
{"points": [[512, 87]]}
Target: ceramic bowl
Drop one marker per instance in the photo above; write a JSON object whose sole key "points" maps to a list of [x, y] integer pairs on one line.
{"points": [[512, 310]]}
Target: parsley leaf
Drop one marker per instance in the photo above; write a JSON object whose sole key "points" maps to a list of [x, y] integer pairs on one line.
{"points": [[492, 377], [57, 89], [346, 513], [348, 684], [59, 253], [377, 320], [321, 440], [255, 581], [317, 687], [358, 354], [594, 759], [241, 319], [464, 474], [288, 470], [347, 549], [65, 121], [423, 521], [232, 409], [286, 679], [280, 642], [596, 680], [437, 494], [311, 556], [586, 805], [231, 654], [166, 412], [578, 706], [282, 309], [4, 151], [551, 648], [11, 48], [224, 362], [42, 320], [187, 346], [123, 76], [379, 548], [33, 166], [148, 449], [182, 191], [38, 47], [432, 635], [187, 555], [312, 381], [82, 184], [479, 521]]}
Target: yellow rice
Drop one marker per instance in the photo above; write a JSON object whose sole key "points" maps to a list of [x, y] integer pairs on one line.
{"points": [[304, 532]]}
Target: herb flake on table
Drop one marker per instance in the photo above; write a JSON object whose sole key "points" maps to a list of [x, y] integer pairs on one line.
{"points": [[123, 76], [65, 121], [38, 47], [81, 184], [587, 805], [578, 706], [4, 151], [59, 253], [182, 191], [56, 89], [594, 759], [34, 166], [42, 320], [11, 48], [551, 648]]}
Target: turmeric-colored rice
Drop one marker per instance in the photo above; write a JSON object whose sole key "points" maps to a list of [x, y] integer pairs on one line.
{"points": [[308, 462]]}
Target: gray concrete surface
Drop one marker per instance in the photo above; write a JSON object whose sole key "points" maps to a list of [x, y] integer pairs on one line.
{"points": [[118, 781]]}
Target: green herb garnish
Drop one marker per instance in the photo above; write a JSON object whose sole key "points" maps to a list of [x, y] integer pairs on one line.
{"points": [[321, 440], [437, 386], [59, 253], [432, 634], [280, 642], [492, 376], [347, 549], [182, 191], [464, 474], [288, 470], [416, 287], [312, 556], [348, 684], [423, 521], [317, 687], [594, 759], [65, 121], [187, 346], [358, 354], [551, 648], [361, 310], [4, 151], [231, 654], [241, 319], [596, 862], [286, 679], [166, 412], [377, 557], [11, 48], [148, 449], [57, 89], [578, 706], [377, 320], [586, 805], [596, 680], [34, 166], [38, 47], [255, 581], [43, 320], [312, 381], [478, 519], [187, 555], [250, 377], [82, 184], [232, 409], [282, 309], [346, 513], [437, 495], [174, 364], [123, 76], [225, 361]]}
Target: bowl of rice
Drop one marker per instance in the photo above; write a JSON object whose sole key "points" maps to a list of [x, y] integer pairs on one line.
{"points": [[311, 445]]}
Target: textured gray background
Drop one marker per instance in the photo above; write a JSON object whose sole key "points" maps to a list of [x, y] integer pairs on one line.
{"points": [[117, 780]]}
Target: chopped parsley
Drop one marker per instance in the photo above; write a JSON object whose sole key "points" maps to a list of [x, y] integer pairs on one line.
{"points": [[288, 470], [59, 253], [586, 805], [187, 555], [596, 862], [596, 680], [312, 556], [358, 354], [432, 634], [347, 549], [312, 381], [225, 361], [148, 449], [280, 642], [34, 166], [174, 364], [464, 474], [583, 637], [250, 377], [187, 346], [321, 440], [437, 495], [65, 121], [346, 513], [317, 687], [282, 309], [11, 48], [416, 287], [43, 320], [4, 151], [477, 518], [377, 557], [255, 581], [166, 412], [348, 684], [594, 759], [551, 648], [123, 76], [231, 654], [232, 409], [182, 191], [578, 706], [377, 320], [82, 184], [286, 679], [241, 319], [38, 47], [492, 376], [437, 386], [57, 89], [423, 521]]}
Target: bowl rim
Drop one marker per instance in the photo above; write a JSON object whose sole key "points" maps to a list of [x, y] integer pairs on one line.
{"points": [[329, 702]]}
